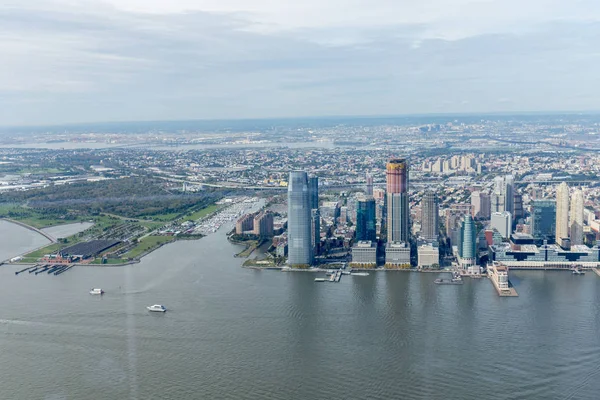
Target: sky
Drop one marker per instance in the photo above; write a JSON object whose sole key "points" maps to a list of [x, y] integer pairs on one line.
{"points": [[70, 61]]}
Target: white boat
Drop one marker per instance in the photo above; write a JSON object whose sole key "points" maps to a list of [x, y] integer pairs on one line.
{"points": [[96, 291], [157, 308], [320, 279], [359, 274]]}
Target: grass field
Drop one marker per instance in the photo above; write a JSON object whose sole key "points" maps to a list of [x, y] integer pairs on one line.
{"points": [[146, 244], [202, 213], [32, 217]]}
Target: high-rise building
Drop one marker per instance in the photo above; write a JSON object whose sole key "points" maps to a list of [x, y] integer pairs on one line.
{"points": [[480, 205], [577, 217], [315, 214], [503, 195], [365, 219], [313, 187], [430, 217], [397, 201], [502, 222], [300, 245], [562, 213], [543, 220], [454, 216], [263, 224], [467, 248], [519, 213], [369, 187]]}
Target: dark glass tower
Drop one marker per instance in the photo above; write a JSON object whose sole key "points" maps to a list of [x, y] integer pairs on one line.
{"points": [[365, 219], [543, 220]]}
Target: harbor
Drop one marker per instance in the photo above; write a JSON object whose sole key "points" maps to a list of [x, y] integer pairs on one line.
{"points": [[49, 269]]}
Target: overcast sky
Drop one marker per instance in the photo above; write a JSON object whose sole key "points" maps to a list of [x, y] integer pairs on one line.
{"points": [[65, 61]]}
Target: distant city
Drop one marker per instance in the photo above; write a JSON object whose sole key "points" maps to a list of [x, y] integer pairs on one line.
{"points": [[425, 193]]}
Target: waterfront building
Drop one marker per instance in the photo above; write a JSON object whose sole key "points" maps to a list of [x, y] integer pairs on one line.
{"points": [[263, 224], [543, 220], [480, 205], [576, 225], [369, 186], [244, 223], [467, 247], [364, 254], [428, 256], [499, 276], [545, 256], [365, 219], [430, 217], [502, 222], [562, 213], [397, 201], [300, 244], [397, 255]]}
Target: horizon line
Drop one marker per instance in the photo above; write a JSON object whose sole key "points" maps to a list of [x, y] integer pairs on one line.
{"points": [[311, 117]]}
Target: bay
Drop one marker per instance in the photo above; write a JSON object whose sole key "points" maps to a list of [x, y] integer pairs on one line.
{"points": [[234, 333]]}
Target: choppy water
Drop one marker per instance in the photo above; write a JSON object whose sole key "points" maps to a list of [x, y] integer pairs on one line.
{"points": [[233, 333]]}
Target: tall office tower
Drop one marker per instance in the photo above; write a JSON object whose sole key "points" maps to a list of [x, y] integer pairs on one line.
{"points": [[430, 217], [313, 188], [519, 213], [503, 195], [315, 230], [577, 217], [454, 216], [502, 222], [397, 200], [480, 205], [315, 214], [299, 220], [467, 248], [369, 188], [365, 219], [509, 194], [543, 220], [562, 213]]}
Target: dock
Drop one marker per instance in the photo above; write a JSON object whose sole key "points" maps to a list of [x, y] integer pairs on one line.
{"points": [[596, 271], [498, 274]]}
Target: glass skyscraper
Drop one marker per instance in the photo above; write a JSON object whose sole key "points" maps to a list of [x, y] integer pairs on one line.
{"points": [[543, 220], [430, 217], [397, 201], [467, 248], [300, 244], [365, 219]]}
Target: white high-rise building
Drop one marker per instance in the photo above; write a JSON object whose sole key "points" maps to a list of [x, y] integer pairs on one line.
{"points": [[562, 212], [577, 217], [480, 205], [502, 222]]}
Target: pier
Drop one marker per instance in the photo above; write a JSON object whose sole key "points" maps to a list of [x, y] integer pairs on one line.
{"points": [[32, 228], [596, 271], [498, 274]]}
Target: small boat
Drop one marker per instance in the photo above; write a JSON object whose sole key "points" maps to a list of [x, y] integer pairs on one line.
{"points": [[320, 279], [359, 274], [454, 281], [577, 271], [157, 308], [97, 291]]}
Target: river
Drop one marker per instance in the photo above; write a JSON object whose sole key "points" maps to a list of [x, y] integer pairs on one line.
{"points": [[234, 333]]}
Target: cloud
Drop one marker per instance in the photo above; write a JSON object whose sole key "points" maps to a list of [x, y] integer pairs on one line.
{"points": [[92, 60]]}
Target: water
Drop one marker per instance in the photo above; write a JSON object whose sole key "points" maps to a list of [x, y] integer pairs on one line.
{"points": [[234, 333]]}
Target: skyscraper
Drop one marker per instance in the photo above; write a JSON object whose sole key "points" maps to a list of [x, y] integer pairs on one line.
{"points": [[577, 217], [397, 200], [313, 186], [299, 220], [502, 222], [562, 212], [365, 219], [369, 187], [480, 205], [503, 195], [467, 248], [430, 217], [543, 220]]}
